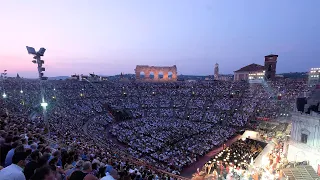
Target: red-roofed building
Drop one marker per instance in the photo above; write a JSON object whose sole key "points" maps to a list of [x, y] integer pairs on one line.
{"points": [[256, 71]]}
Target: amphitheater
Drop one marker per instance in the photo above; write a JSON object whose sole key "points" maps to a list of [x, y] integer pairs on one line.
{"points": [[164, 127]]}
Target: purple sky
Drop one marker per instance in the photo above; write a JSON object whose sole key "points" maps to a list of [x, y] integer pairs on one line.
{"points": [[112, 36]]}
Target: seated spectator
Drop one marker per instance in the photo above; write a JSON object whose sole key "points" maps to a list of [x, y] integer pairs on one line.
{"points": [[43, 173], [14, 171], [10, 154], [32, 165], [84, 174], [78, 167]]}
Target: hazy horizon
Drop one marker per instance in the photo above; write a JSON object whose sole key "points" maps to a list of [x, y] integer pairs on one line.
{"points": [[110, 37]]}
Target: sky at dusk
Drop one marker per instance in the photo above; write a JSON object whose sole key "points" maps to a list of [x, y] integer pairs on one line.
{"points": [[112, 36]]}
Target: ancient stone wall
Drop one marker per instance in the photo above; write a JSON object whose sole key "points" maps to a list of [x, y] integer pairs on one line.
{"points": [[156, 71]]}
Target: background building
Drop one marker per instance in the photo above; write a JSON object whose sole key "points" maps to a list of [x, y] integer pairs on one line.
{"points": [[244, 73], [270, 66], [314, 77], [256, 72], [304, 144]]}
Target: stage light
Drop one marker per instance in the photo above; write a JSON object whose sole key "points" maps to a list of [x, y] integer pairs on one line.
{"points": [[4, 95], [44, 104]]}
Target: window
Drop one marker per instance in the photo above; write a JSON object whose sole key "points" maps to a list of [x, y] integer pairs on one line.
{"points": [[304, 138]]}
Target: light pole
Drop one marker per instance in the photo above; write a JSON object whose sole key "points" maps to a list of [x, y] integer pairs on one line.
{"points": [[3, 77], [37, 60], [4, 95]]}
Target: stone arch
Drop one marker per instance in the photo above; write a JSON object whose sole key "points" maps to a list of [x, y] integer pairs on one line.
{"points": [[151, 75], [155, 73], [170, 75], [305, 131], [142, 75], [160, 74]]}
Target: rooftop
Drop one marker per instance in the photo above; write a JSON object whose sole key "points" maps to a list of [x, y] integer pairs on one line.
{"points": [[251, 68], [271, 55]]}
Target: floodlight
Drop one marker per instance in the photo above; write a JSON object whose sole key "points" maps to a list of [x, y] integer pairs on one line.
{"points": [[41, 69], [41, 51], [21, 91], [44, 104], [31, 50], [4, 95]]}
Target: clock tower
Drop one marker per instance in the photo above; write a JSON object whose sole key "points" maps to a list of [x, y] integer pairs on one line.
{"points": [[270, 66]]}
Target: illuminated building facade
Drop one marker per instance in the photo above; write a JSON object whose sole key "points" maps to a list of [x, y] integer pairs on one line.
{"points": [[257, 77], [304, 144], [249, 72], [314, 77], [256, 72]]}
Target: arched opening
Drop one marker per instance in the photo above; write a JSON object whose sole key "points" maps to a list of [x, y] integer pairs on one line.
{"points": [[170, 75], [160, 75], [270, 67], [142, 75], [151, 75]]}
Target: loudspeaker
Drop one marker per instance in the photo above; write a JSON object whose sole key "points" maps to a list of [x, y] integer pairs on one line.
{"points": [[300, 103]]}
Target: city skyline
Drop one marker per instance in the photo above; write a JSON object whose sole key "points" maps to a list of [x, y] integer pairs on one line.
{"points": [[110, 37]]}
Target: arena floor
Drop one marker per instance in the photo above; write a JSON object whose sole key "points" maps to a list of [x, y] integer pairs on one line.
{"points": [[187, 172]]}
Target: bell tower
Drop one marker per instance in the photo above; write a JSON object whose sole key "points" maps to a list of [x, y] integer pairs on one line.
{"points": [[216, 71], [270, 66]]}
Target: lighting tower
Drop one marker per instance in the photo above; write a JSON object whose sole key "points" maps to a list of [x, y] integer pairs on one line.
{"points": [[4, 77], [4, 95], [37, 60]]}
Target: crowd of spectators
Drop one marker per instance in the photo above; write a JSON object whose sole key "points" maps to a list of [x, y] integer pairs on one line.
{"points": [[171, 126]]}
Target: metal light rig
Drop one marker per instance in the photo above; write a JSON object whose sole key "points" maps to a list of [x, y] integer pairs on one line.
{"points": [[37, 60], [4, 95]]}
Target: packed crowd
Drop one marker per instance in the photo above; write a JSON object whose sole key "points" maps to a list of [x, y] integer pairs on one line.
{"points": [[174, 142], [172, 124]]}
